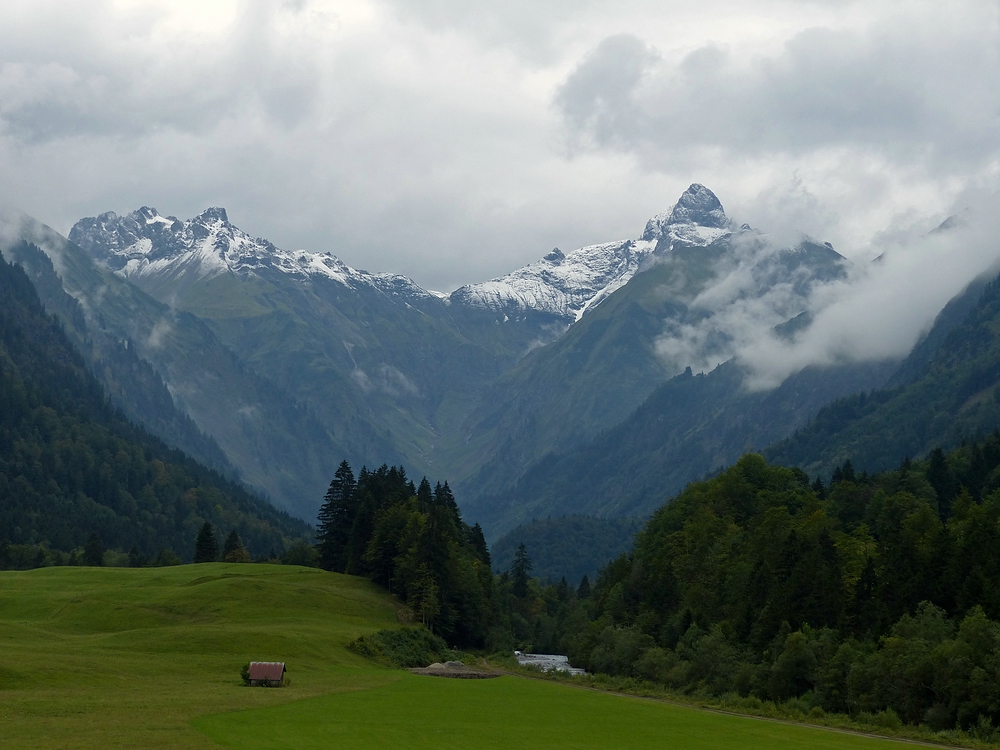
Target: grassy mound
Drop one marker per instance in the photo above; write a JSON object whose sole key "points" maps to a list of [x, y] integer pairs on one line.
{"points": [[117, 657]]}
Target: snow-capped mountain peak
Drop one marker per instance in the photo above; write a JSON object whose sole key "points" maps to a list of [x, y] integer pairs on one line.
{"points": [[564, 285], [144, 244], [699, 205], [567, 285]]}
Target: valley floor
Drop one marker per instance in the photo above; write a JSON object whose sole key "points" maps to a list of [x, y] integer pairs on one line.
{"points": [[123, 658]]}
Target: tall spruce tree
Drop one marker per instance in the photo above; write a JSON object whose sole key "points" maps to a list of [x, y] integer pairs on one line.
{"points": [[233, 550], [336, 520], [942, 480], [443, 496], [519, 571], [478, 542], [206, 547], [93, 552]]}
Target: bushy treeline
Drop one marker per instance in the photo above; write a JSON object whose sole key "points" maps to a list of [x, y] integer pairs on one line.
{"points": [[71, 466], [403, 647], [878, 594], [412, 540]]}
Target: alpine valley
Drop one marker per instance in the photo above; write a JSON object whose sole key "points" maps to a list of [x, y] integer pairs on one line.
{"points": [[595, 382]]}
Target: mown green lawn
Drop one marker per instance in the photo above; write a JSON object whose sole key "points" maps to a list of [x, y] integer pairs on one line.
{"points": [[509, 712], [119, 658]]}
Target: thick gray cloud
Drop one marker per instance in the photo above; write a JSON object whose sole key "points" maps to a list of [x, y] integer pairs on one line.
{"points": [[455, 141], [913, 91]]}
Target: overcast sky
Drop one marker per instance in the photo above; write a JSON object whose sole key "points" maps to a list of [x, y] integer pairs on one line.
{"points": [[454, 140]]}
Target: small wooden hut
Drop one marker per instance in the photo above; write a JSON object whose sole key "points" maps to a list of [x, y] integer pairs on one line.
{"points": [[267, 673]]}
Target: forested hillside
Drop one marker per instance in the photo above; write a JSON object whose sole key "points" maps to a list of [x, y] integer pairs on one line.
{"points": [[131, 382], [945, 392], [689, 427], [274, 440], [569, 547], [71, 465], [876, 594]]}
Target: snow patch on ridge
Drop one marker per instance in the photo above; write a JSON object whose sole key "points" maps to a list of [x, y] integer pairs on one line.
{"points": [[144, 244], [569, 285]]}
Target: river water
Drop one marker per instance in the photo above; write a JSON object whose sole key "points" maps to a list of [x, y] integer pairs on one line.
{"points": [[548, 662]]}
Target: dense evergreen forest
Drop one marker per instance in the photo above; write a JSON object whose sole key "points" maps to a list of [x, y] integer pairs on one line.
{"points": [[72, 467], [877, 594]]}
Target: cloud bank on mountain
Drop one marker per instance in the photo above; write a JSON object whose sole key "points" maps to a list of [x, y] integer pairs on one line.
{"points": [[876, 312], [455, 141]]}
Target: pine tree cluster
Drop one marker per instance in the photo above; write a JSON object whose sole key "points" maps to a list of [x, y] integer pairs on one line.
{"points": [[412, 540]]}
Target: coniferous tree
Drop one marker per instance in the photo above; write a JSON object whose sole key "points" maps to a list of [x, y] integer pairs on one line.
{"points": [[562, 589], [424, 496], [478, 542], [819, 488], [93, 552], [233, 550], [336, 519], [444, 497], [941, 479], [583, 592], [519, 571], [206, 547]]}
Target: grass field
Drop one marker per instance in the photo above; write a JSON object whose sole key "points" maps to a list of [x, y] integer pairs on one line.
{"points": [[120, 658]]}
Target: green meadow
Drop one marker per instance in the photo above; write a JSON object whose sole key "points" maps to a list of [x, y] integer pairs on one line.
{"points": [[150, 658]]}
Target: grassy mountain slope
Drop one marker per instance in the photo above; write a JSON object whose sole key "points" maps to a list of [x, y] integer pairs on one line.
{"points": [[126, 658], [70, 465], [946, 392]]}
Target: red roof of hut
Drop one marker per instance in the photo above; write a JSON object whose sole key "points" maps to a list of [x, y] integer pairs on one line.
{"points": [[267, 670]]}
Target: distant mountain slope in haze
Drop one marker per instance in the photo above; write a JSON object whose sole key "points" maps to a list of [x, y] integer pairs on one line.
{"points": [[380, 362], [567, 546], [370, 354], [689, 427], [946, 391], [70, 465], [132, 383], [613, 358], [275, 442]]}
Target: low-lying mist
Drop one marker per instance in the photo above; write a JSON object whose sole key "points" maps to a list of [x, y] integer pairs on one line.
{"points": [[877, 311]]}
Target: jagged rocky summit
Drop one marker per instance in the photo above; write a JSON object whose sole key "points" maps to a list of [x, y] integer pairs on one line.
{"points": [[143, 245], [569, 285]]}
